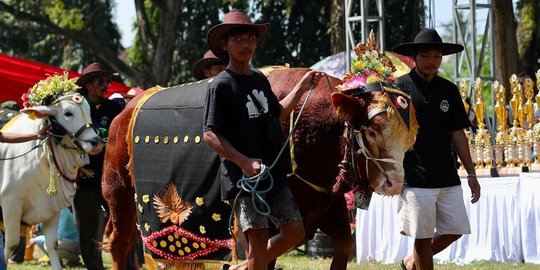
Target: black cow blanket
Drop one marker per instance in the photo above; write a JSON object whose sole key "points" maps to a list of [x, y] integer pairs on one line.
{"points": [[177, 190]]}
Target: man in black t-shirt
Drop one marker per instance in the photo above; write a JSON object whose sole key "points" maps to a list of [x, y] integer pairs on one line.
{"points": [[240, 105], [431, 205]]}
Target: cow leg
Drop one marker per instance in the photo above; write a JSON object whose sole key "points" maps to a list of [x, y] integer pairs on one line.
{"points": [[50, 229], [122, 238], [121, 229], [12, 227], [335, 223]]}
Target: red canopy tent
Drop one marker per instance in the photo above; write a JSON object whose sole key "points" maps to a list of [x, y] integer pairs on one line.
{"points": [[18, 75]]}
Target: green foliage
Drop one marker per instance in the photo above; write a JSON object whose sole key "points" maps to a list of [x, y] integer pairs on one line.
{"points": [[403, 20], [528, 37], [298, 33], [198, 18], [527, 25], [65, 18], [32, 40]]}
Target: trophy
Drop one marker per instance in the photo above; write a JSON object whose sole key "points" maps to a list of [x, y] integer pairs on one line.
{"points": [[536, 127], [514, 150], [463, 87], [482, 139], [527, 140], [501, 115]]}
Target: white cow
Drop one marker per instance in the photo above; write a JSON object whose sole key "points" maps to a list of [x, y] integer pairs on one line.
{"points": [[26, 193]]}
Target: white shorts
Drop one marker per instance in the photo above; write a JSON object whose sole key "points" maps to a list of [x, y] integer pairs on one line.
{"points": [[424, 210]]}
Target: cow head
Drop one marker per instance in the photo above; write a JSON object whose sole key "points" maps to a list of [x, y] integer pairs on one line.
{"points": [[384, 127], [69, 114]]}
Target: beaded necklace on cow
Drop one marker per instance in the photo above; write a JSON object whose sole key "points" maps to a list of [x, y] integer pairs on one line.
{"points": [[250, 184]]}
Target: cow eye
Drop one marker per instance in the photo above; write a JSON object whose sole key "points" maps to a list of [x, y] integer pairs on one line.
{"points": [[68, 114], [371, 133]]}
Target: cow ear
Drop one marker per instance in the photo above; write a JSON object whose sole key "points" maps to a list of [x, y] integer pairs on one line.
{"points": [[38, 111], [347, 107]]}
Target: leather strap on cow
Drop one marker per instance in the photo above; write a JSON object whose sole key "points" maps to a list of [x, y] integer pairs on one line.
{"points": [[294, 166]]}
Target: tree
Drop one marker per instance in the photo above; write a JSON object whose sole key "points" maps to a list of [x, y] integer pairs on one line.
{"points": [[32, 29], [505, 45], [90, 30], [528, 36], [298, 33]]}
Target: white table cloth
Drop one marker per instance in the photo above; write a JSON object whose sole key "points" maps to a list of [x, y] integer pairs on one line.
{"points": [[505, 225]]}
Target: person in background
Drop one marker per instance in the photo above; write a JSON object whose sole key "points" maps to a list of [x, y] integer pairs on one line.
{"points": [[68, 240], [237, 131], [90, 207], [431, 204], [208, 66]]}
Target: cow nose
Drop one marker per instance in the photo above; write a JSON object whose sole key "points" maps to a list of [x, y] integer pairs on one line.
{"points": [[95, 141]]}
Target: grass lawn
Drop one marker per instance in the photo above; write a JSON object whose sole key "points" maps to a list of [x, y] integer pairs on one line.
{"points": [[297, 261]]}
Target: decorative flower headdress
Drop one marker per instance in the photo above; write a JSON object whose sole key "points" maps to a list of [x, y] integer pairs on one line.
{"points": [[370, 66], [48, 87]]}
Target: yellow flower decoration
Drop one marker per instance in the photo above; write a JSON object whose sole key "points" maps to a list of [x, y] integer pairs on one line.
{"points": [[202, 229], [147, 227], [199, 201], [216, 217], [135, 196], [373, 79], [140, 208], [145, 198], [50, 86]]}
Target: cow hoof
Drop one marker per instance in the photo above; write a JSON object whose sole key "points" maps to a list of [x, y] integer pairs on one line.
{"points": [[225, 267]]}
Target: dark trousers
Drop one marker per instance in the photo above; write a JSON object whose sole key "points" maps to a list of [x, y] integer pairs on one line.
{"points": [[91, 219]]}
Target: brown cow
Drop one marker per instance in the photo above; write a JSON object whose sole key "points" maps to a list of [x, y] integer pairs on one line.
{"points": [[319, 147]]}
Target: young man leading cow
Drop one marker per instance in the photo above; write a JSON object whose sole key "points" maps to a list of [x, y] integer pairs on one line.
{"points": [[238, 104]]}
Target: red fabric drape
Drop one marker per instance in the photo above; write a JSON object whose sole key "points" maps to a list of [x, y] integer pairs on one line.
{"points": [[18, 75]]}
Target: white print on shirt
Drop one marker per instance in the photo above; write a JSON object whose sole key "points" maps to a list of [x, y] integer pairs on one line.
{"points": [[445, 105], [252, 108]]}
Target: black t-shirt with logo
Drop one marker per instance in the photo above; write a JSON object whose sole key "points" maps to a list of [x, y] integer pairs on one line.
{"points": [[439, 111], [230, 108]]}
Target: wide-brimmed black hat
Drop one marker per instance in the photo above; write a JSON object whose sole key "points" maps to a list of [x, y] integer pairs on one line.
{"points": [[208, 59], [427, 38], [233, 19], [92, 71]]}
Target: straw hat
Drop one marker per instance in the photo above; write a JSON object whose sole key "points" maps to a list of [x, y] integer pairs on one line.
{"points": [[208, 59], [427, 38], [233, 19]]}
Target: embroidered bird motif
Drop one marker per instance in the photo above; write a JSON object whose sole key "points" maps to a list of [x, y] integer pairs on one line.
{"points": [[170, 206]]}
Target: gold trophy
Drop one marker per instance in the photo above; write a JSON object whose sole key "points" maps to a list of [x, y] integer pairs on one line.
{"points": [[501, 114], [527, 140], [482, 139], [463, 87], [513, 149], [536, 129]]}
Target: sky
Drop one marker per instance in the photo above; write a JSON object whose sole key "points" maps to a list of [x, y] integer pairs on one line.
{"points": [[125, 16]]}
